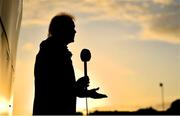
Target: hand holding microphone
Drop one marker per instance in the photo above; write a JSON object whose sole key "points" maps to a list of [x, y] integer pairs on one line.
{"points": [[84, 81]]}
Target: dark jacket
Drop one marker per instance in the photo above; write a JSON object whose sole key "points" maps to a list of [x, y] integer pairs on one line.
{"points": [[54, 80]]}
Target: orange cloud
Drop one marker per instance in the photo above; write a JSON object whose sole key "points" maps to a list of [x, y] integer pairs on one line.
{"points": [[158, 19], [163, 2]]}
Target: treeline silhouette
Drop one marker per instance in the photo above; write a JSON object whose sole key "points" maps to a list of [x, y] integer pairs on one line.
{"points": [[173, 109]]}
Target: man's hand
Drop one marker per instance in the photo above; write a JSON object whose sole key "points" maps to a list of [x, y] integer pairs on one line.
{"points": [[82, 83], [93, 94], [81, 86], [82, 91]]}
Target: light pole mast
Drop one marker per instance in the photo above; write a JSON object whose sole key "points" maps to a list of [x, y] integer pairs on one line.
{"points": [[162, 95]]}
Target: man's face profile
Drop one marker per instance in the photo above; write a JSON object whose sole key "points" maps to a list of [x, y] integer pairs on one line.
{"points": [[69, 32]]}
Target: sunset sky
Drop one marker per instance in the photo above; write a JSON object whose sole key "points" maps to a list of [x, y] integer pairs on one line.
{"points": [[135, 45]]}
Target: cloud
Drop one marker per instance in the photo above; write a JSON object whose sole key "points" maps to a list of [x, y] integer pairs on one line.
{"points": [[163, 2], [164, 25], [41, 11], [158, 19], [164, 28]]}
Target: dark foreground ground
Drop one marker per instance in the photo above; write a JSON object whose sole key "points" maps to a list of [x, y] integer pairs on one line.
{"points": [[174, 109]]}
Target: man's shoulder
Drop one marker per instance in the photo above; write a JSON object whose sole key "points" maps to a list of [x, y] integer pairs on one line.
{"points": [[45, 42]]}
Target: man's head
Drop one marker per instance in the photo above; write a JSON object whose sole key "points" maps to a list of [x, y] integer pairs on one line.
{"points": [[62, 27]]}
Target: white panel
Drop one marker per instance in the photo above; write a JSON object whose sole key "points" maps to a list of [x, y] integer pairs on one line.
{"points": [[10, 14], [1, 2]]}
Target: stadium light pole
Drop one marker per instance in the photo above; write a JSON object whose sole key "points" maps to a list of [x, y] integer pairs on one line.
{"points": [[162, 95]]}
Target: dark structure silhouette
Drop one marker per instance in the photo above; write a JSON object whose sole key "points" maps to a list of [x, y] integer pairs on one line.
{"points": [[174, 109], [149, 110], [55, 85]]}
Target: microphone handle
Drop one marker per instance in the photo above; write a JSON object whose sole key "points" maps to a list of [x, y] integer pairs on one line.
{"points": [[85, 74], [85, 68]]}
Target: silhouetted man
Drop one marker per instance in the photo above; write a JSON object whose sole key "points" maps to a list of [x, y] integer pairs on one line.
{"points": [[55, 85]]}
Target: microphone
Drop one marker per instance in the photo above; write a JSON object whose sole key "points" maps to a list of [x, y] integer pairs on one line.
{"points": [[85, 57]]}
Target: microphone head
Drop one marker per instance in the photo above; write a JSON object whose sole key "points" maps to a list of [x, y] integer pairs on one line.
{"points": [[85, 55]]}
